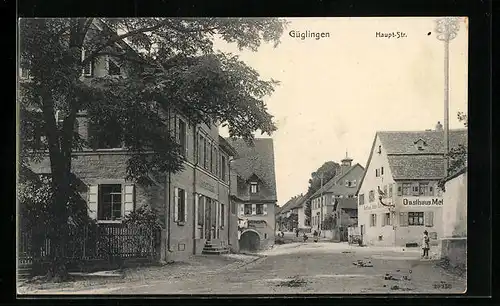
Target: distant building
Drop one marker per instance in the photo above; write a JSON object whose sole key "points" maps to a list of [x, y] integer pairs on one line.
{"points": [[293, 210], [398, 197], [342, 186], [256, 192]]}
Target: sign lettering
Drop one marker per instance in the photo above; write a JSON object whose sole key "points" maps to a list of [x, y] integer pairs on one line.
{"points": [[422, 202]]}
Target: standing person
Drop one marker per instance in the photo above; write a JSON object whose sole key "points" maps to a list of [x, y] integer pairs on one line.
{"points": [[296, 232], [425, 245]]}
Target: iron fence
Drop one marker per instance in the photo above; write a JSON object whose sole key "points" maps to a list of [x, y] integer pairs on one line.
{"points": [[93, 242]]}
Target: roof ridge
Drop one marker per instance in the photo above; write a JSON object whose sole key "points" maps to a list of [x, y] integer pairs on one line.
{"points": [[421, 131]]}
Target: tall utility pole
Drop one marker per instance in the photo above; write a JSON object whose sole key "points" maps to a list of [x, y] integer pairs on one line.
{"points": [[446, 29]]}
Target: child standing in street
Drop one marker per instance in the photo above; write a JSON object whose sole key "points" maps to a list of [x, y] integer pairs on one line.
{"points": [[425, 245]]}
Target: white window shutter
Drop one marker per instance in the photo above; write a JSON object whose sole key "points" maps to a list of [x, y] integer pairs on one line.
{"points": [[92, 201], [176, 204], [383, 220], [185, 206], [431, 218], [128, 199], [264, 209], [254, 209], [242, 209]]}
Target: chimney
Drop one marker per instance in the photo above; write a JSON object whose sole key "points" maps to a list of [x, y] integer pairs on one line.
{"points": [[345, 164], [439, 127]]}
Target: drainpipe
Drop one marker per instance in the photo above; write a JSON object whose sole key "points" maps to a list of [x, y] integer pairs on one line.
{"points": [[229, 215], [195, 225], [167, 217]]}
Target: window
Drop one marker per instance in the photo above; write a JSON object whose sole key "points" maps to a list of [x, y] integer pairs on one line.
{"points": [[390, 191], [379, 149], [181, 136], [113, 69], [205, 153], [371, 196], [110, 202], [259, 209], [416, 218], [180, 205], [222, 215], [201, 210], [88, 68], [265, 235], [211, 161], [425, 189], [248, 209], [387, 219], [25, 73], [361, 199], [406, 189], [217, 161], [253, 187], [348, 183], [376, 172], [382, 171], [429, 219], [223, 167], [200, 149], [350, 196], [373, 220], [415, 189], [354, 183]]}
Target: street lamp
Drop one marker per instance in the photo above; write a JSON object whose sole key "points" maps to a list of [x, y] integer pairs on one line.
{"points": [[446, 29]]}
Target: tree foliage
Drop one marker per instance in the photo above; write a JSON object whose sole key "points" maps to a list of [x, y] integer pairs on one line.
{"points": [[169, 64], [328, 170], [457, 156]]}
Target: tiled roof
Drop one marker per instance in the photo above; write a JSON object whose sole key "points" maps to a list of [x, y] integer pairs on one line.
{"points": [[407, 162], [257, 159], [298, 202], [331, 186], [403, 142], [416, 166], [293, 203]]}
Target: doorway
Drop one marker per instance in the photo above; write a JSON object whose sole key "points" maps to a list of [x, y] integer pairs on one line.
{"points": [[250, 241]]}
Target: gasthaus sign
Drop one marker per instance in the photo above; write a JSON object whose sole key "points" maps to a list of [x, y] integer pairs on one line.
{"points": [[415, 201]]}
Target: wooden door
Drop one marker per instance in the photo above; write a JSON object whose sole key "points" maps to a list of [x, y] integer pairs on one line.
{"points": [[208, 219]]}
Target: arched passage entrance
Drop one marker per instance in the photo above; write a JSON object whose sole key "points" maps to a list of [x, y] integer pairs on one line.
{"points": [[249, 240]]}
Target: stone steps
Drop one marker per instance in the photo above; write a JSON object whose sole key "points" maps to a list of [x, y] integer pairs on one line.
{"points": [[210, 249]]}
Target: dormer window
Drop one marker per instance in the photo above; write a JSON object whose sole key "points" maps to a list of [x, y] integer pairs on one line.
{"points": [[420, 144], [254, 187], [379, 150]]}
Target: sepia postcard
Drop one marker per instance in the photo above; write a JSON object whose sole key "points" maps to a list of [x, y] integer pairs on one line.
{"points": [[242, 156]]}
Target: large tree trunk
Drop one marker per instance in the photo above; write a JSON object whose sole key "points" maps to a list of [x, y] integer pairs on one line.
{"points": [[59, 143]]}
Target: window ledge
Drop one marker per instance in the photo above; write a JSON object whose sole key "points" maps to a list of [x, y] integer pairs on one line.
{"points": [[109, 221]]}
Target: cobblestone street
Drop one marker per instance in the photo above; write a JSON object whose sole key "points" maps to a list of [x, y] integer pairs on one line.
{"points": [[325, 268]]}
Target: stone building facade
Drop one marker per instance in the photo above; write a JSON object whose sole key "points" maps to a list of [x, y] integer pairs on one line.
{"points": [[256, 192]]}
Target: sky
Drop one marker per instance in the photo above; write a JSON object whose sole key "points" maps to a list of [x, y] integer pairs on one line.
{"points": [[336, 92]]}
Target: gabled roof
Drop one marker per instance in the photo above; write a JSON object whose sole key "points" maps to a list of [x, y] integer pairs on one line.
{"points": [[332, 187], [295, 202], [255, 160], [403, 142], [406, 161]]}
